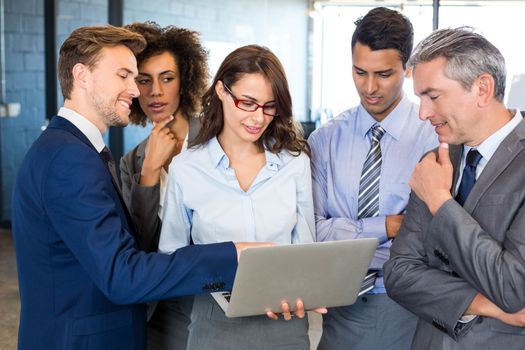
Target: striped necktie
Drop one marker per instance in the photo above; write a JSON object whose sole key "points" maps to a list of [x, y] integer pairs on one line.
{"points": [[368, 200]]}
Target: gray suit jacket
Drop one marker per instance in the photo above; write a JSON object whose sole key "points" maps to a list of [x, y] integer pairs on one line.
{"points": [[142, 201], [437, 264]]}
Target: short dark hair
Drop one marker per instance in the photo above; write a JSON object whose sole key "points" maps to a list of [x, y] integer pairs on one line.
{"points": [[283, 133], [381, 29], [191, 60], [84, 45]]}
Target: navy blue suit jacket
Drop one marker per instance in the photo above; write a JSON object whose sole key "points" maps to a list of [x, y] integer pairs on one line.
{"points": [[82, 279]]}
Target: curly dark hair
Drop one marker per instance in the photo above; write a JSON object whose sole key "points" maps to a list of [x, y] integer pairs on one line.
{"points": [[283, 133], [191, 58]]}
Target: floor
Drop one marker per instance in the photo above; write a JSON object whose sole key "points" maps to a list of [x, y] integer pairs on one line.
{"points": [[10, 305]]}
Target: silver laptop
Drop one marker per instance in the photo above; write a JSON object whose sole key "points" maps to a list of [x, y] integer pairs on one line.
{"points": [[321, 274]]}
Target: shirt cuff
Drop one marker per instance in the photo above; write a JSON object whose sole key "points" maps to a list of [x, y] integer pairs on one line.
{"points": [[467, 318], [464, 324], [375, 227]]}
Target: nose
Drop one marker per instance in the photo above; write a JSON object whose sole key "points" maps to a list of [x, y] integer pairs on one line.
{"points": [[133, 89], [371, 84], [425, 112], [156, 88], [258, 116]]}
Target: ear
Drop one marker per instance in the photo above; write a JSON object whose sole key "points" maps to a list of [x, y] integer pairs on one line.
{"points": [[219, 90], [80, 75], [486, 86], [408, 73]]}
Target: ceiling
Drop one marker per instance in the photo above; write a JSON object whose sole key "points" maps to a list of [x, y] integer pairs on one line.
{"points": [[419, 2]]}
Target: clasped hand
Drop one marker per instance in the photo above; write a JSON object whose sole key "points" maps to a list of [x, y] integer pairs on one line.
{"points": [[432, 178]]}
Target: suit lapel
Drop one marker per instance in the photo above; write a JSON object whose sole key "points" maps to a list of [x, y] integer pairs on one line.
{"points": [[61, 123], [140, 155], [194, 128], [500, 160], [455, 153]]}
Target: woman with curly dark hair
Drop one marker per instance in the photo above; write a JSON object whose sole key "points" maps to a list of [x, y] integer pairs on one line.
{"points": [[246, 176], [172, 78]]}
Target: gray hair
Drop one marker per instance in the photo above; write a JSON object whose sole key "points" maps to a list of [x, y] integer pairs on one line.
{"points": [[468, 55]]}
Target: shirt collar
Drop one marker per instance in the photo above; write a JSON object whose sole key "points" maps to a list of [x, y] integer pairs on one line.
{"points": [[394, 123], [488, 147], [217, 154], [219, 158], [85, 126]]}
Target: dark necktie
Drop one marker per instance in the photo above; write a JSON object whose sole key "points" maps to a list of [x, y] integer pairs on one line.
{"points": [[107, 157], [468, 179], [368, 200]]}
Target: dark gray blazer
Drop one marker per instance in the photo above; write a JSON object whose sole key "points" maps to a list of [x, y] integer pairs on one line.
{"points": [[437, 264], [142, 201]]}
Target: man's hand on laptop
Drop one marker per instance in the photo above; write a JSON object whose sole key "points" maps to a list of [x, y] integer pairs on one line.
{"points": [[299, 311], [240, 246]]}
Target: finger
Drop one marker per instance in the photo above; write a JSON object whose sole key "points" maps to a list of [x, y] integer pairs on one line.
{"points": [[444, 158], [161, 124], [240, 246], [321, 310], [431, 156], [300, 308], [286, 311], [272, 316]]}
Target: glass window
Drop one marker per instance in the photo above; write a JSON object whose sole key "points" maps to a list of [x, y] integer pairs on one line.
{"points": [[333, 89], [501, 22]]}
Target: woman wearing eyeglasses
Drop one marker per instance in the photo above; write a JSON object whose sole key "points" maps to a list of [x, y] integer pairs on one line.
{"points": [[172, 78], [245, 177]]}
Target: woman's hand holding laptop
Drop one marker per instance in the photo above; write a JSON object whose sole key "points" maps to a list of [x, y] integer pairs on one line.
{"points": [[299, 311]]}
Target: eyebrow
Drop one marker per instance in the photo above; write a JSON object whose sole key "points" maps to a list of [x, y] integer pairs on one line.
{"points": [[390, 70], [427, 91], [254, 99], [127, 70], [161, 73]]}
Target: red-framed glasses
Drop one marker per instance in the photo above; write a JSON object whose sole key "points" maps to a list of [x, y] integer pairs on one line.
{"points": [[269, 109]]}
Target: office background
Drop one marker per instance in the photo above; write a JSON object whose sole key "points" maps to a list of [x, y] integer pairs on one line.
{"points": [[312, 38]]}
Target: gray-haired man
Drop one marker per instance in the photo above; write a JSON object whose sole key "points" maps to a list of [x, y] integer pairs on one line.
{"points": [[459, 259]]}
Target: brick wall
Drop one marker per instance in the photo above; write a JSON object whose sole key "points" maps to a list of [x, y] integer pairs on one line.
{"points": [[24, 58], [25, 81]]}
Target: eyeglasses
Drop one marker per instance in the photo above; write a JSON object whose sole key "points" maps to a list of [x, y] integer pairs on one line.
{"points": [[269, 109]]}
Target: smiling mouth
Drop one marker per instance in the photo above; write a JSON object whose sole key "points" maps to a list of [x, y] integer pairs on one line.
{"points": [[125, 104], [439, 126], [252, 129]]}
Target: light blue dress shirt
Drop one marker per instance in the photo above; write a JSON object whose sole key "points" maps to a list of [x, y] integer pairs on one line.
{"points": [[204, 200], [339, 150]]}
